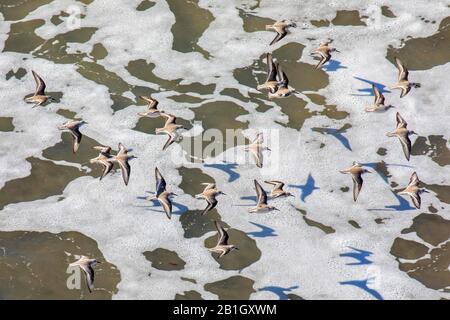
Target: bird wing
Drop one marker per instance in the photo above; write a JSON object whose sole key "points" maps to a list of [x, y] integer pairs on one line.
{"points": [[89, 272], [222, 238], [152, 103], [107, 167], [401, 123], [261, 195], [209, 186], [405, 91], [125, 169], [325, 57], [160, 182], [76, 134], [212, 202], [415, 197], [402, 71], [170, 118], [40, 84], [406, 145], [271, 68], [278, 185], [122, 149], [282, 78], [414, 180], [258, 156], [166, 203], [105, 150], [169, 141], [259, 139], [379, 98], [281, 33], [357, 185]]}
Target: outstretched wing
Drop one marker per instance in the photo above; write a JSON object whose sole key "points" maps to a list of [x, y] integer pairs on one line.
{"points": [[271, 68], [76, 134], [222, 238], [414, 180], [211, 205], [281, 33], [89, 272], [401, 123], [379, 97], [357, 185], [282, 78], [402, 71], [40, 84], [261, 195], [160, 182], [406, 145]]}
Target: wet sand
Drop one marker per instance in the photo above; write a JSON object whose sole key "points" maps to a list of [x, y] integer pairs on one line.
{"points": [[25, 271]]}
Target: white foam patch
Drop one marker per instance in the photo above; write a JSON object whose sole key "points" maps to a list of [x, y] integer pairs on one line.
{"points": [[300, 255]]}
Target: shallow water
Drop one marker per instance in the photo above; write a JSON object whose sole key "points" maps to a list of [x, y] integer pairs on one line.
{"points": [[202, 60], [27, 274]]}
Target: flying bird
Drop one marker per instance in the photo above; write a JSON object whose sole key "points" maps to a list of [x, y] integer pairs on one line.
{"points": [[86, 265], [283, 89], [413, 190], [73, 126], [402, 82], [39, 97], [162, 195], [152, 110], [282, 29], [122, 159], [102, 159], [378, 104], [324, 51], [402, 133], [277, 190], [209, 194], [170, 128], [222, 247], [261, 198], [271, 82], [356, 171], [256, 148]]}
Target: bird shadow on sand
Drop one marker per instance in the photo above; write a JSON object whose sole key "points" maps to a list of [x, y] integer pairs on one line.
{"points": [[364, 285], [333, 65], [336, 133], [279, 291], [263, 233], [155, 203], [368, 91], [360, 255], [306, 189], [247, 198], [403, 205], [226, 167], [383, 175]]}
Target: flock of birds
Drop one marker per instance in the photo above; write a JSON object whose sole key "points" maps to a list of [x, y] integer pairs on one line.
{"points": [[277, 86]]}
